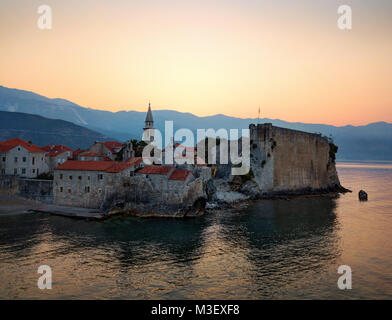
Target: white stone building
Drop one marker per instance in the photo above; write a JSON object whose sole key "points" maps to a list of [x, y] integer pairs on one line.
{"points": [[88, 183], [18, 157]]}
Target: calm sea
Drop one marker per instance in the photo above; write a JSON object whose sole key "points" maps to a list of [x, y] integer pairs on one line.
{"points": [[281, 249]]}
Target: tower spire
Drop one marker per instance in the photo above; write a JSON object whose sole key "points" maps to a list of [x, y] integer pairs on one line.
{"points": [[148, 125], [149, 120]]}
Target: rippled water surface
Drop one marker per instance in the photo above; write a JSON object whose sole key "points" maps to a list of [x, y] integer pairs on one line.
{"points": [[273, 249]]}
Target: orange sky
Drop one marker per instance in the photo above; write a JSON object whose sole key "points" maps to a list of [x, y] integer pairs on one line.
{"points": [[206, 57]]}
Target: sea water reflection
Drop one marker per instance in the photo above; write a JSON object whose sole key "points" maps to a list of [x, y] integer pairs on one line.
{"points": [[228, 254], [272, 249]]}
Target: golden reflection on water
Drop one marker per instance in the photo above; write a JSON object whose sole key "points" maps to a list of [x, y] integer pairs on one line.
{"points": [[273, 249]]}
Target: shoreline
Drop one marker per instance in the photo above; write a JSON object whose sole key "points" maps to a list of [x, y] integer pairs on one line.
{"points": [[14, 205]]}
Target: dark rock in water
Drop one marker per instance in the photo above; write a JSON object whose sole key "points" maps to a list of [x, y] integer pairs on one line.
{"points": [[363, 196]]}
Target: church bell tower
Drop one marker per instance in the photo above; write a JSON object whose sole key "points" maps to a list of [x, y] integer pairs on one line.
{"points": [[148, 130]]}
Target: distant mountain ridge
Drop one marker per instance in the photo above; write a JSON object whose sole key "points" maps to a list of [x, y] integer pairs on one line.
{"points": [[369, 142], [43, 131]]}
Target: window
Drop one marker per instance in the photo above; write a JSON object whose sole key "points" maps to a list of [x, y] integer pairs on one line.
{"points": [[61, 189], [100, 176], [33, 160], [15, 171], [61, 176], [3, 159], [70, 177], [18, 149], [69, 190], [23, 171], [24, 159], [88, 178], [33, 170], [87, 189], [16, 159], [2, 171], [80, 177]]}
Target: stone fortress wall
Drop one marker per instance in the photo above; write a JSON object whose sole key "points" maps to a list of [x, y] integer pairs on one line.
{"points": [[284, 160]]}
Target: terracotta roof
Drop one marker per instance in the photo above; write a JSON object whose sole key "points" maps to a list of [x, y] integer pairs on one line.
{"points": [[120, 166], [54, 153], [179, 175], [56, 147], [113, 145], [135, 161], [9, 144], [156, 170], [6, 148], [77, 152]]}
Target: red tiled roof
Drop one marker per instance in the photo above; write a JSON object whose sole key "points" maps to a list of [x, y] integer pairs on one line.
{"points": [[54, 153], [156, 170], [77, 152], [6, 148], [85, 165], [179, 175], [120, 166], [135, 161], [9, 144], [56, 147], [112, 145]]}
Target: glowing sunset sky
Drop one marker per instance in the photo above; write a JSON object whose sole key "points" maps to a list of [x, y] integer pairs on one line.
{"points": [[206, 56]]}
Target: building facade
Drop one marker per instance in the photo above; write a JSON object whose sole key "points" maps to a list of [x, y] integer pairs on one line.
{"points": [[88, 183], [56, 155], [18, 157], [108, 149]]}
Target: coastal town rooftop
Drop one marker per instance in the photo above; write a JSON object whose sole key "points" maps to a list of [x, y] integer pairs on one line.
{"points": [[12, 143]]}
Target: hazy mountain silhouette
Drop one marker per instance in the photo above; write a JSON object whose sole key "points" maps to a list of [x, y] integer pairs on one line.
{"points": [[369, 142], [43, 131]]}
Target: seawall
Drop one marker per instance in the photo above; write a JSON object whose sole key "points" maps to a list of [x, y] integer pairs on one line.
{"points": [[32, 189]]}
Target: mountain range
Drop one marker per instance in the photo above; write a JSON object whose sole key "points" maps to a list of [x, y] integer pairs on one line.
{"points": [[368, 142], [43, 131]]}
